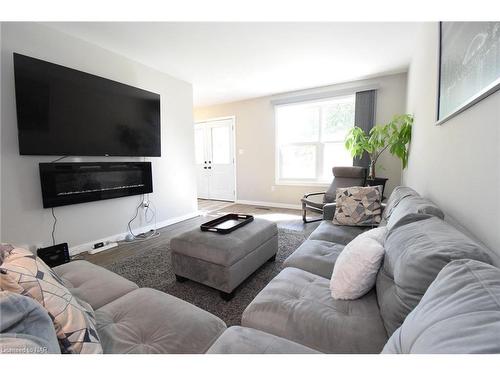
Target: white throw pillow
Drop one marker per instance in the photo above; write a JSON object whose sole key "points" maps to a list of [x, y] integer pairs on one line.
{"points": [[356, 268]]}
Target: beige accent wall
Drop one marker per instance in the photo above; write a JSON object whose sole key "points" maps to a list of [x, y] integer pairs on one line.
{"points": [[255, 139], [456, 164]]}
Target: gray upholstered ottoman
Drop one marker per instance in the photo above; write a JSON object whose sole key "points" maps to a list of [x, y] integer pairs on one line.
{"points": [[223, 261]]}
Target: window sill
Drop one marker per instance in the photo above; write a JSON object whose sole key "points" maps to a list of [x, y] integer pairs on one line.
{"points": [[302, 183]]}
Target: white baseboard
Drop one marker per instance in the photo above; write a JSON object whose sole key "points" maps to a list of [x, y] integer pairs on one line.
{"points": [[121, 236], [270, 204]]}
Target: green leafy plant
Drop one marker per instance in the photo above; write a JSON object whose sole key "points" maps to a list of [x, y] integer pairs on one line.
{"points": [[395, 136]]}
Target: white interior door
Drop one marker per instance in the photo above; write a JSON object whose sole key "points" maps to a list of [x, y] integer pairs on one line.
{"points": [[201, 157], [214, 145]]}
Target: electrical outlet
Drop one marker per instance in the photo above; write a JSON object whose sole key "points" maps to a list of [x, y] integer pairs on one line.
{"points": [[273, 188], [145, 204]]}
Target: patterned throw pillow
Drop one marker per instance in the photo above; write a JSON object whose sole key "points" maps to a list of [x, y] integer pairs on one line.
{"points": [[74, 321], [358, 206]]}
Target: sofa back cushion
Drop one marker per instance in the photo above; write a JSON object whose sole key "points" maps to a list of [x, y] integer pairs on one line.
{"points": [[397, 195], [413, 205], [459, 313], [417, 247]]}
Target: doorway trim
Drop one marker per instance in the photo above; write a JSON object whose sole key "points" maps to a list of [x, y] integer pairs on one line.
{"points": [[233, 119]]}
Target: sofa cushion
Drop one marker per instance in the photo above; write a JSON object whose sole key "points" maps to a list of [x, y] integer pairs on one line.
{"points": [[459, 313], [339, 234], [149, 321], [416, 249], [93, 284], [25, 326], [357, 265], [359, 206], [74, 320], [413, 205], [242, 340], [298, 306], [397, 195], [315, 256]]}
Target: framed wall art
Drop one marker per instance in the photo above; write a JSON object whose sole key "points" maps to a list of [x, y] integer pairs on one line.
{"points": [[469, 65]]}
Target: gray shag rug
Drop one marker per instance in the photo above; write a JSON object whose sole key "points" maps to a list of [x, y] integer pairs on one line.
{"points": [[153, 269]]}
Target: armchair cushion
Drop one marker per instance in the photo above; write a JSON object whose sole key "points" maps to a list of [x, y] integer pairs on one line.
{"points": [[345, 177]]}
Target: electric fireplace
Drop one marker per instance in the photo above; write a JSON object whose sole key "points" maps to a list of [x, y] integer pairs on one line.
{"points": [[71, 183]]}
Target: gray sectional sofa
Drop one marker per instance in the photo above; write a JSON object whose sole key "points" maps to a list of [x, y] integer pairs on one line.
{"points": [[438, 291], [129, 319], [297, 304]]}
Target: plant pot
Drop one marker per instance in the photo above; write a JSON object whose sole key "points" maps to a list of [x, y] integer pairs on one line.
{"points": [[377, 181]]}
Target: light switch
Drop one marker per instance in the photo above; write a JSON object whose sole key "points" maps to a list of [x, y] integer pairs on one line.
{"points": [[241, 151]]}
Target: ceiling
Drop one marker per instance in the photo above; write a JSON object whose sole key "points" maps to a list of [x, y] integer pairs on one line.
{"points": [[233, 61]]}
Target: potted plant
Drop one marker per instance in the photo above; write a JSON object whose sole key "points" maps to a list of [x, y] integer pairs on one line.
{"points": [[395, 136]]}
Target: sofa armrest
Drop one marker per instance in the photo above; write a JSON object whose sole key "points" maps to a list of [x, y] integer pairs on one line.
{"points": [[329, 211]]}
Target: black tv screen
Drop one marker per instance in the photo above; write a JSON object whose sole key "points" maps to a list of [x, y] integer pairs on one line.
{"points": [[62, 111]]}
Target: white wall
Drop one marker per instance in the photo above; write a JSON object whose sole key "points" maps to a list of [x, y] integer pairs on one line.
{"points": [[0, 133], [255, 135], [456, 164], [24, 221]]}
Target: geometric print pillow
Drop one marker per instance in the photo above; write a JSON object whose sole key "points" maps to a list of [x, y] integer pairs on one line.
{"points": [[74, 321], [358, 206]]}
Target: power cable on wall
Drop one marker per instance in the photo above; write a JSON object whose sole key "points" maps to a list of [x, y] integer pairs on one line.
{"points": [[143, 236], [149, 208], [53, 227]]}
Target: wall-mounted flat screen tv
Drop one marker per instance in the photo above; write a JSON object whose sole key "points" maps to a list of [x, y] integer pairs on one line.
{"points": [[62, 111]]}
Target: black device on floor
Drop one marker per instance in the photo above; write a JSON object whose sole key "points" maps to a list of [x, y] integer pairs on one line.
{"points": [[54, 255]]}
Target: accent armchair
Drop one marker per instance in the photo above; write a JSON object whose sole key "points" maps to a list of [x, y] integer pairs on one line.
{"points": [[342, 177]]}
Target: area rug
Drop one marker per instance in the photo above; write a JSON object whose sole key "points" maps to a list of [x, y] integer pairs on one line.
{"points": [[153, 269]]}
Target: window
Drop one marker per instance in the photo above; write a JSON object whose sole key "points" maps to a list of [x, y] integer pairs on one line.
{"points": [[310, 139]]}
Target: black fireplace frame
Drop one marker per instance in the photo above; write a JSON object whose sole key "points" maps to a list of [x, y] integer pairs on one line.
{"points": [[51, 198]]}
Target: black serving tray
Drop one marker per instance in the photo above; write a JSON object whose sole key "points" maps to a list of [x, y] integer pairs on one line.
{"points": [[227, 223]]}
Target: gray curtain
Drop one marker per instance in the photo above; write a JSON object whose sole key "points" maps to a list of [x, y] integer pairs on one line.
{"points": [[364, 117]]}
